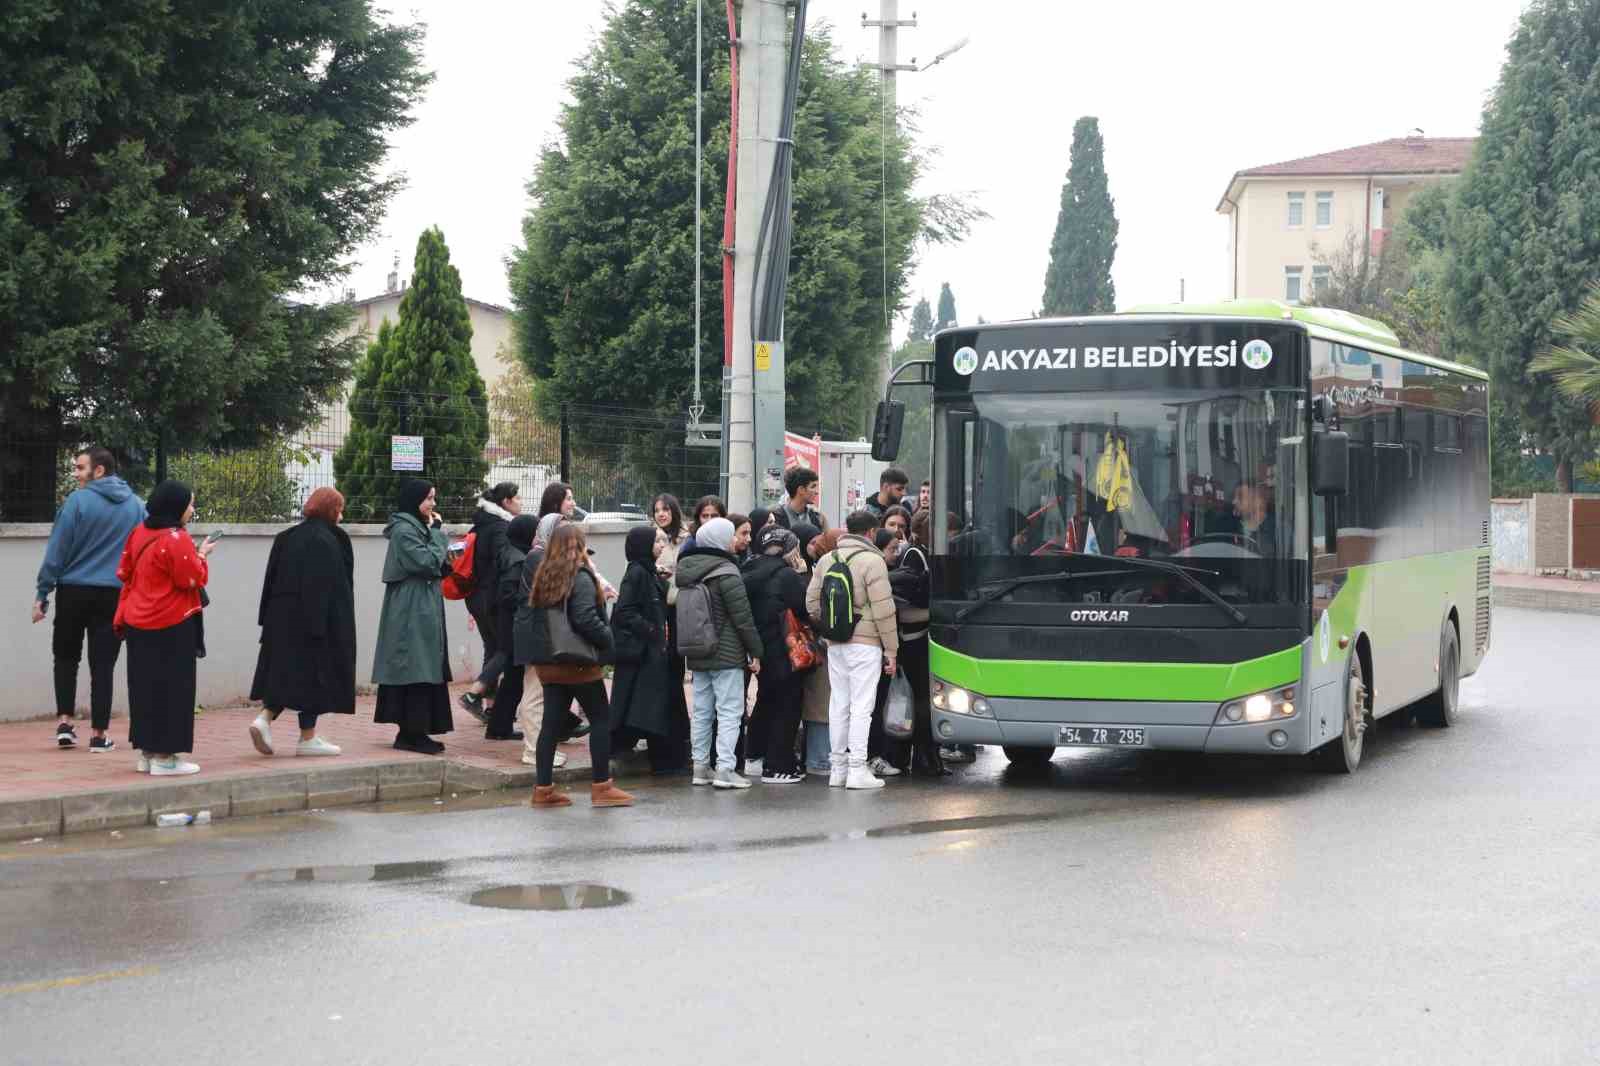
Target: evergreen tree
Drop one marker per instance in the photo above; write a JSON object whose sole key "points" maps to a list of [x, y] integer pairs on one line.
{"points": [[418, 379], [1078, 280], [171, 174], [1525, 245], [603, 280], [921, 321], [947, 307]]}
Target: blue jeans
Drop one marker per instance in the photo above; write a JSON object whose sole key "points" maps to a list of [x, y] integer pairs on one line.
{"points": [[718, 696], [818, 745]]}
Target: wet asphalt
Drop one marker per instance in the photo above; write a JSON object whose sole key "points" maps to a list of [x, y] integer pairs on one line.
{"points": [[1440, 906]]}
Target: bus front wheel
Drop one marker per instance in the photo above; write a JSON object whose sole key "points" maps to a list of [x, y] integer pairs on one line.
{"points": [[1342, 755], [1439, 709], [1028, 758]]}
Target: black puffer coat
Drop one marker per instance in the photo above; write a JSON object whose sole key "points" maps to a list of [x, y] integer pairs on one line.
{"points": [[308, 622]]}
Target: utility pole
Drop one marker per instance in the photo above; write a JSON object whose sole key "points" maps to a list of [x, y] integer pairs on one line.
{"points": [[763, 36], [888, 24]]}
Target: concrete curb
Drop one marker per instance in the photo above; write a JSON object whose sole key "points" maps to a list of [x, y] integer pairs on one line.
{"points": [[243, 795], [1539, 599]]}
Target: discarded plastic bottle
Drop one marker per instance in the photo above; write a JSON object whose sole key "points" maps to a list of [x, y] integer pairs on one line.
{"points": [[203, 818], [170, 821]]}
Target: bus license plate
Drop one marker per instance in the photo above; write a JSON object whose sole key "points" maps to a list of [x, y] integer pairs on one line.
{"points": [[1100, 736]]}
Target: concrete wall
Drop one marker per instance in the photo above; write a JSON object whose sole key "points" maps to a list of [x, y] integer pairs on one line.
{"points": [[1509, 526], [232, 635]]}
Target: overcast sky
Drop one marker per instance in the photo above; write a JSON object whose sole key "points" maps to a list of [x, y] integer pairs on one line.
{"points": [[1186, 92]]}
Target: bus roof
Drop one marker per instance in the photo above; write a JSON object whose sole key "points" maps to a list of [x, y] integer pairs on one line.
{"points": [[1325, 322]]}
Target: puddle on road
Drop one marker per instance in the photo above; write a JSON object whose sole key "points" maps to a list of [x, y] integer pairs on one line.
{"points": [[571, 897]]}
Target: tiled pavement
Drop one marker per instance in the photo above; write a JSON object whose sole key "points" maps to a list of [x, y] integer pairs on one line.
{"points": [[1547, 593], [45, 790]]}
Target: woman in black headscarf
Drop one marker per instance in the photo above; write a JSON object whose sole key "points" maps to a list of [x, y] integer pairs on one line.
{"points": [[410, 666], [514, 549], [642, 681], [163, 575]]}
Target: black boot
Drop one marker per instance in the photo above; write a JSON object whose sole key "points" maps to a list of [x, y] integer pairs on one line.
{"points": [[927, 762]]}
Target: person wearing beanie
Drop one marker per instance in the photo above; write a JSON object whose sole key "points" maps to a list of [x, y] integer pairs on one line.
{"points": [[719, 677]]}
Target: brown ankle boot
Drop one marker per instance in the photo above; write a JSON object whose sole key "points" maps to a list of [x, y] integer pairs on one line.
{"points": [[547, 796], [606, 794]]}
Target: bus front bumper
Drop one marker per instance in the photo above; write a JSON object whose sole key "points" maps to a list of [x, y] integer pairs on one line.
{"points": [[1038, 723]]}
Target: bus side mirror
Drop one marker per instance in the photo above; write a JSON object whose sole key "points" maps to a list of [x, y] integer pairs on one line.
{"points": [[1331, 462], [887, 426]]}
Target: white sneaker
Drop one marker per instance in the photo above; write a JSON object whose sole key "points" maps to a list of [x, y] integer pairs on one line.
{"points": [[862, 777], [839, 774], [143, 765], [316, 746], [753, 767], [261, 733], [702, 774], [560, 760], [883, 767], [782, 779], [530, 759], [173, 767], [729, 779]]}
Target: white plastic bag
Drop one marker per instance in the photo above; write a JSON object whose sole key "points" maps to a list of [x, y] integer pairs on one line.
{"points": [[898, 713]]}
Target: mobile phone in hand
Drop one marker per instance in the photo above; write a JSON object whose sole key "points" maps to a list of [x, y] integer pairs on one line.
{"points": [[214, 536]]}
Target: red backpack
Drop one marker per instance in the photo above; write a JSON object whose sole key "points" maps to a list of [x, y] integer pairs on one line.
{"points": [[459, 582]]}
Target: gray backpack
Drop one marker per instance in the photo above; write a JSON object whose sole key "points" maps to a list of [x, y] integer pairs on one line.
{"points": [[697, 615]]}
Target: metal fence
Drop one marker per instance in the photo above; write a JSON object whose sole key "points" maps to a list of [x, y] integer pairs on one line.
{"points": [[614, 458]]}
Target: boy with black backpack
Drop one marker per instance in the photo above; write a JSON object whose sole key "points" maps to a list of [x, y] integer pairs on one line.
{"points": [[853, 606], [716, 633]]}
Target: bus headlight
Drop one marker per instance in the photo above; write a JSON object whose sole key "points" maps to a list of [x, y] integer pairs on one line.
{"points": [[1258, 707], [947, 697]]}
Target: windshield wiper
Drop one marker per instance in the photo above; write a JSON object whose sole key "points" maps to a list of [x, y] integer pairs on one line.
{"points": [[1186, 573], [994, 592]]}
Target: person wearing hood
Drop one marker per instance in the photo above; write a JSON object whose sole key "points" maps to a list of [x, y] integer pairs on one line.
{"points": [[513, 553], [719, 678], [80, 567], [307, 661], [642, 678], [669, 519], [489, 523], [530, 709], [776, 588], [410, 665], [163, 576]]}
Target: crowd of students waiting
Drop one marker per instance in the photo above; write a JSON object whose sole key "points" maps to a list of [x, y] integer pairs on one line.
{"points": [[552, 626]]}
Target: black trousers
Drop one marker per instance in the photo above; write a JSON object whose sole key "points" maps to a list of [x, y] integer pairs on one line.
{"points": [[591, 696], [308, 719], [85, 611], [503, 715], [914, 664], [494, 647], [779, 704]]}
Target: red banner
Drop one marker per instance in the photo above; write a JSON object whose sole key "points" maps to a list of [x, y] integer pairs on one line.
{"points": [[802, 451]]}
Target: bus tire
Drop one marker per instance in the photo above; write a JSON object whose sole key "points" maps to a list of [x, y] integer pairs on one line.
{"points": [[1342, 755], [1438, 710], [1028, 758]]}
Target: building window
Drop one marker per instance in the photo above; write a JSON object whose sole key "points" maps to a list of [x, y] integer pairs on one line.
{"points": [[1291, 284], [1297, 210], [1324, 210], [1320, 276]]}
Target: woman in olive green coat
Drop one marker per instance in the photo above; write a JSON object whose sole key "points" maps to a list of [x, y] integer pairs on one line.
{"points": [[411, 666]]}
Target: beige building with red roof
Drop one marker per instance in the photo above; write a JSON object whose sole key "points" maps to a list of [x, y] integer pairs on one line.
{"points": [[1284, 217]]}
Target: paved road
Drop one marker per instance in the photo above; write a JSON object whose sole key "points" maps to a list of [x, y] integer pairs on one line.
{"points": [[1438, 907]]}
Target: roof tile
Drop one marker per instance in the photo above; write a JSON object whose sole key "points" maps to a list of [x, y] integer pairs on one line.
{"points": [[1398, 155]]}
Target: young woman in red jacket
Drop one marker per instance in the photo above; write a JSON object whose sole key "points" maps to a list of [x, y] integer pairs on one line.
{"points": [[158, 614]]}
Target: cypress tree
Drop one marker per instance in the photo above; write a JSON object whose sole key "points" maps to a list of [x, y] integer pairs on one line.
{"points": [[947, 307], [418, 379], [1526, 245], [921, 322], [1078, 280]]}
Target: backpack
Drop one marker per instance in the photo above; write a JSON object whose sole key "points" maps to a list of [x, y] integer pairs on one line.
{"points": [[696, 635], [459, 583], [838, 601]]}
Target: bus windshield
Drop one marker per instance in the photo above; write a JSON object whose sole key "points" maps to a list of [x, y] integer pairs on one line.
{"points": [[1209, 479]]}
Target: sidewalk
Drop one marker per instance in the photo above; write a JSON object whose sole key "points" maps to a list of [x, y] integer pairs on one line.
{"points": [[48, 791], [1546, 593]]}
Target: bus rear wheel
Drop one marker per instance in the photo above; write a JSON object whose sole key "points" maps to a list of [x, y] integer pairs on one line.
{"points": [[1439, 709], [1028, 758], [1343, 754]]}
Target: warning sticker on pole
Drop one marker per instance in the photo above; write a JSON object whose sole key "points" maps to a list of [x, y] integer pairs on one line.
{"points": [[405, 453]]}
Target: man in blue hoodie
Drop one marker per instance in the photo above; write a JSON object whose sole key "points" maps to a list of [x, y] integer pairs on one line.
{"points": [[80, 566]]}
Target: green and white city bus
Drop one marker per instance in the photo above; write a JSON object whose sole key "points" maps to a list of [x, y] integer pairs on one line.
{"points": [[1248, 528]]}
